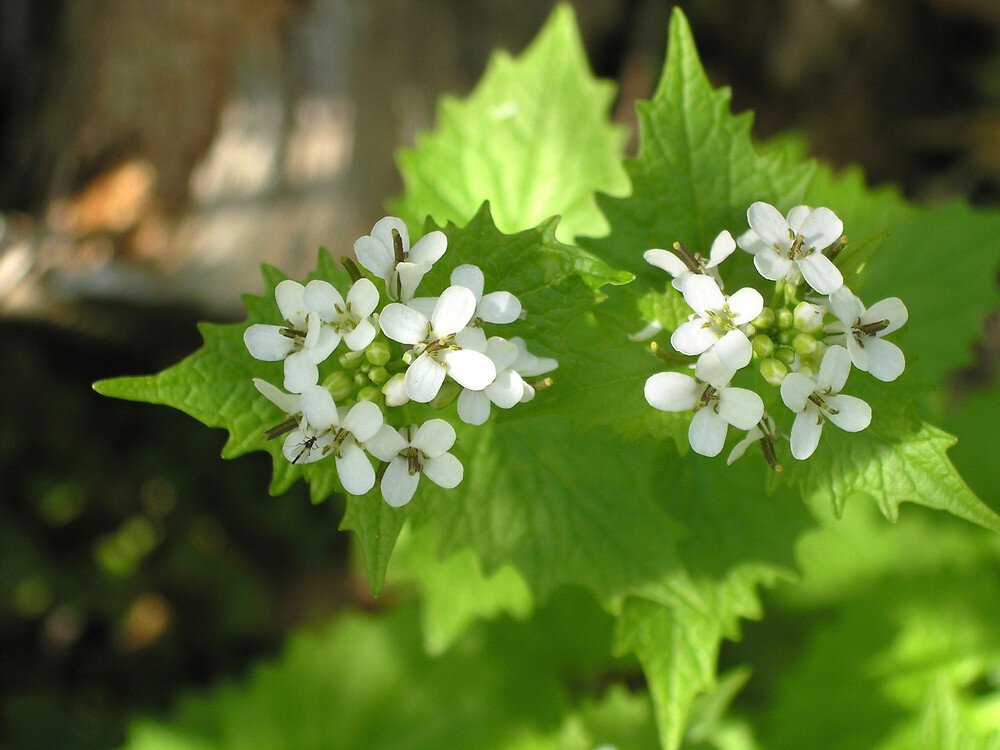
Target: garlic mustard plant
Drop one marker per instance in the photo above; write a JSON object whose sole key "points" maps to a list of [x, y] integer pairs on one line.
{"points": [[803, 344]]}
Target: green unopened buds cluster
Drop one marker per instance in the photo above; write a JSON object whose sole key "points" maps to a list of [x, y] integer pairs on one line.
{"points": [[804, 343], [407, 350]]}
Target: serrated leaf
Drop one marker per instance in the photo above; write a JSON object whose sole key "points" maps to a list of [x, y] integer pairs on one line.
{"points": [[533, 138]]}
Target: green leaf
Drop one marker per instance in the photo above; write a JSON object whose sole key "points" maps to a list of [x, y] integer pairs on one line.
{"points": [[974, 422], [533, 138]]}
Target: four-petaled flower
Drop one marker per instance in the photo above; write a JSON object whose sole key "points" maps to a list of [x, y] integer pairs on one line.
{"points": [[434, 342], [814, 399], [349, 320], [508, 388], [386, 252], [715, 407], [302, 342], [412, 452], [718, 321], [686, 265], [783, 248], [861, 331]]}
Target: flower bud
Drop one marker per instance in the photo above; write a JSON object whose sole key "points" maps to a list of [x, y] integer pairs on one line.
{"points": [[340, 385], [773, 370], [378, 375], [809, 317], [764, 320], [785, 318], [350, 359], [378, 353], [448, 393], [395, 391], [785, 335], [785, 354], [368, 393], [805, 345], [762, 344]]}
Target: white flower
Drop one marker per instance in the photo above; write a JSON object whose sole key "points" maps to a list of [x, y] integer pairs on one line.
{"points": [[718, 321], [349, 320], [816, 399], [722, 248], [508, 388], [783, 248], [861, 331], [388, 255], [495, 307], [321, 431], [420, 451], [395, 390], [434, 339], [715, 408], [303, 342]]}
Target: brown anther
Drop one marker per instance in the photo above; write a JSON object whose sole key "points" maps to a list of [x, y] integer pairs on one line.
{"points": [[870, 329], [834, 250], [287, 426], [689, 260], [767, 446], [292, 333], [397, 246]]}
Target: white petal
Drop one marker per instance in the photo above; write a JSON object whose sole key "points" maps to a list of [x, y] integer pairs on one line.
{"points": [[470, 277], [445, 471], [354, 469], [300, 372], [769, 224], [740, 407], [707, 432], [407, 277], [386, 443], [425, 305], [672, 391], [473, 407], [796, 216], [858, 353], [806, 430], [265, 343], [453, 310], [751, 242], [362, 335], [375, 256], [322, 345], [318, 408], [504, 353], [846, 306], [703, 294], [734, 349], [434, 437], [469, 368], [796, 389], [745, 305], [499, 307], [772, 266], [403, 324], [848, 413], [885, 359], [834, 369], [472, 337], [741, 447], [429, 248], [423, 378], [722, 247], [323, 299], [290, 296], [891, 309], [820, 273], [363, 297], [395, 391], [666, 260], [820, 229], [710, 369], [527, 364], [692, 337], [382, 231], [398, 485], [287, 402], [364, 420], [301, 447], [647, 332], [506, 390]]}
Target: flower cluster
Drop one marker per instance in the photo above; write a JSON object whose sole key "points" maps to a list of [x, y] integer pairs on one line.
{"points": [[804, 341], [397, 349]]}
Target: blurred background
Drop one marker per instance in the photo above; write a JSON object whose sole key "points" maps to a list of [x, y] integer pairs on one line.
{"points": [[154, 152]]}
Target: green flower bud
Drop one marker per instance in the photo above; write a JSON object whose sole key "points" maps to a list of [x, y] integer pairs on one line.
{"points": [[809, 317], [785, 354], [378, 353], [773, 370], [395, 390], [368, 393], [805, 345], [360, 379], [378, 375], [350, 359], [785, 318], [762, 344], [785, 335], [340, 385], [764, 320]]}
